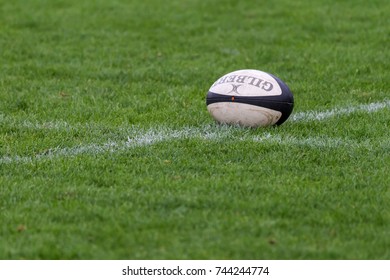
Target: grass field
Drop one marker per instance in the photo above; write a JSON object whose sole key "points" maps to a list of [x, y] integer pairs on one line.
{"points": [[107, 150]]}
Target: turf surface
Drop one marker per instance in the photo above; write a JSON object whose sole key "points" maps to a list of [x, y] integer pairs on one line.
{"points": [[107, 150]]}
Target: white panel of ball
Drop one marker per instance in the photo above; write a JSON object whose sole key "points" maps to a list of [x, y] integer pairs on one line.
{"points": [[243, 114]]}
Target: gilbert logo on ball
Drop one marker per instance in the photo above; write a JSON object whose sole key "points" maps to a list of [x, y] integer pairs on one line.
{"points": [[250, 98]]}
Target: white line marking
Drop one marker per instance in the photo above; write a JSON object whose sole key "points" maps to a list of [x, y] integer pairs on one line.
{"points": [[319, 116], [211, 133], [295, 117], [138, 138], [141, 137]]}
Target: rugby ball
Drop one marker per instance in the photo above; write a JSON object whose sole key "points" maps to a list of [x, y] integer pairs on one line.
{"points": [[250, 98]]}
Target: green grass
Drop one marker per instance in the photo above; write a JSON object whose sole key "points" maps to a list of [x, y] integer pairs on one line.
{"points": [[77, 75]]}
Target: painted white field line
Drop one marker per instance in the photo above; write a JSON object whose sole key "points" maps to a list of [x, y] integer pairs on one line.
{"points": [[95, 127], [137, 137], [323, 115], [211, 133]]}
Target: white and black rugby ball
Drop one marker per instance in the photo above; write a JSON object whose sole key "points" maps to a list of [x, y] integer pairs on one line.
{"points": [[250, 98]]}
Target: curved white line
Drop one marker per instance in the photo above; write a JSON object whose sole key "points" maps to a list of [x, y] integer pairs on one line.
{"points": [[137, 137]]}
